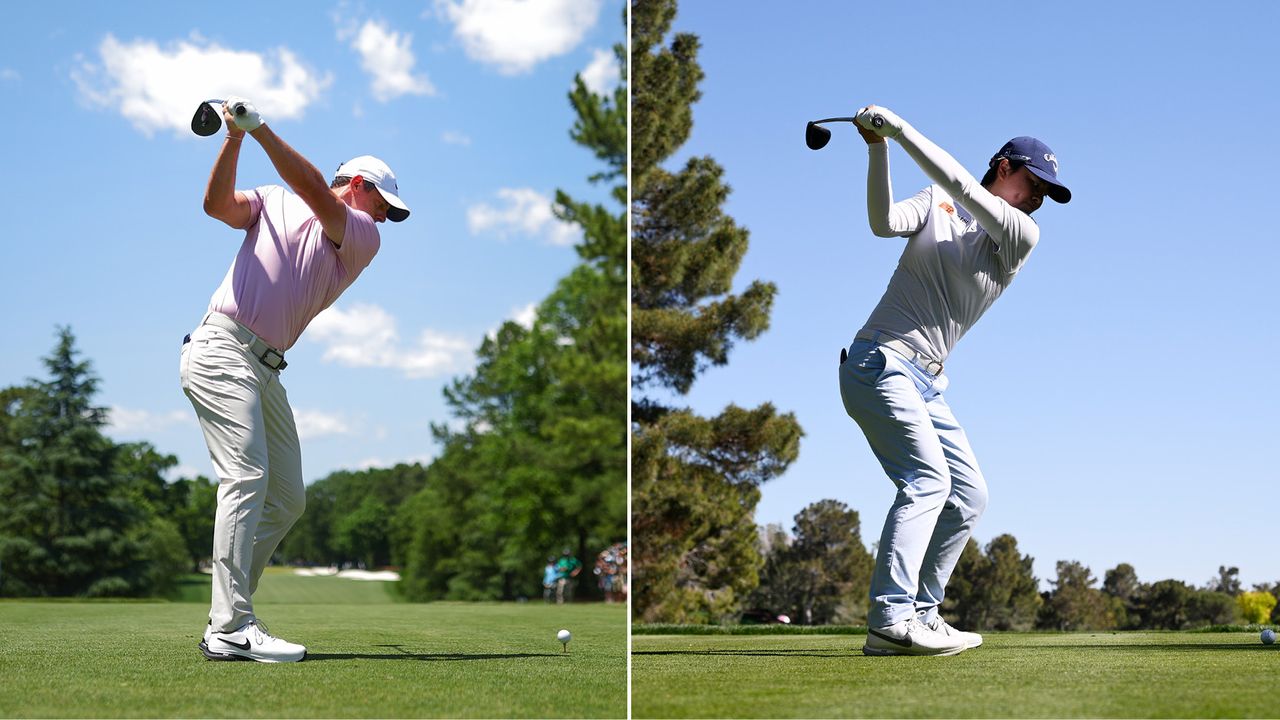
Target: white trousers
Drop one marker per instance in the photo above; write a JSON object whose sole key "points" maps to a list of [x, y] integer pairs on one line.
{"points": [[924, 451], [253, 443]]}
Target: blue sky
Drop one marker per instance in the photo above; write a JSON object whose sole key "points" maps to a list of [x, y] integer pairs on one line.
{"points": [[464, 99], [1119, 394]]}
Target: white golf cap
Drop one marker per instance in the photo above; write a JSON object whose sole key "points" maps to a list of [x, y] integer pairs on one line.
{"points": [[376, 172]]}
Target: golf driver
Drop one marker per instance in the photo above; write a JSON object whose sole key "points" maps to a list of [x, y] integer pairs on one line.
{"points": [[817, 137], [208, 117]]}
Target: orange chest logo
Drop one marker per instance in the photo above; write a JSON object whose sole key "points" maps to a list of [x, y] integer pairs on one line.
{"points": [[947, 206]]}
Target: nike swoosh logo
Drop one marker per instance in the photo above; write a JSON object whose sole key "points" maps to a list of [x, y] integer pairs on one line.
{"points": [[904, 642], [245, 645]]}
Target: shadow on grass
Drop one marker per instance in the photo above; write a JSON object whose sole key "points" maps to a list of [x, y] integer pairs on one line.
{"points": [[403, 654], [856, 652], [756, 653]]}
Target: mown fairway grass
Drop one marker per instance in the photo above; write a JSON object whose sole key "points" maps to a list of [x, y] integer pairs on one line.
{"points": [[1011, 675], [369, 656]]}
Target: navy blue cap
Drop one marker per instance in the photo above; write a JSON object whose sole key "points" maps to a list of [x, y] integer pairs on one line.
{"points": [[1039, 159]]}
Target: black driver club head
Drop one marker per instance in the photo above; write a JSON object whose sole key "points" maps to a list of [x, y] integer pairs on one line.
{"points": [[816, 136], [207, 120]]}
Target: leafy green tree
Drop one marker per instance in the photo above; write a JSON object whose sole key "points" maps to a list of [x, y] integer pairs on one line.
{"points": [[1211, 607], [1166, 605], [71, 523], [348, 516], [1074, 603], [823, 576], [1011, 592], [780, 579], [362, 533], [964, 604], [1227, 581], [993, 591], [537, 458], [1256, 606], [1122, 586], [695, 480], [195, 502], [1274, 590]]}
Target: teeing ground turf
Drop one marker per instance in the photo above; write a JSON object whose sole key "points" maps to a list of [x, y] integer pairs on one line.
{"points": [[1131, 674]]}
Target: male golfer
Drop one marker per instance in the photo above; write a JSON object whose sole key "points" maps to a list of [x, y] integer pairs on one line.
{"points": [[966, 240], [301, 250]]}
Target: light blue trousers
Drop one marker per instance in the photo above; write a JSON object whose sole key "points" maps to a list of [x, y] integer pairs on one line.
{"points": [[924, 451]]}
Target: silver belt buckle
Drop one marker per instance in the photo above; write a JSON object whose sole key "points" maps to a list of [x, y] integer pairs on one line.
{"points": [[273, 359]]}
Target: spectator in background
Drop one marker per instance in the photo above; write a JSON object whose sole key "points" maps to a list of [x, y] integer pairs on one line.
{"points": [[549, 577], [568, 568], [605, 573], [621, 580], [610, 569]]}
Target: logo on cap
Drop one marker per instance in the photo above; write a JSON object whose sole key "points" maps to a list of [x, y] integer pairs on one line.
{"points": [[1050, 157]]}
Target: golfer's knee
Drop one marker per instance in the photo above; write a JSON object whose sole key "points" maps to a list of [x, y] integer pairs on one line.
{"points": [[971, 499]]}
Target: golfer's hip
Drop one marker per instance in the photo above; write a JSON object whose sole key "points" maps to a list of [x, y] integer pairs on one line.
{"points": [[257, 348]]}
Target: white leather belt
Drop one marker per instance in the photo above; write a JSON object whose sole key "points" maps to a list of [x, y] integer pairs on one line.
{"points": [[924, 362], [266, 354]]}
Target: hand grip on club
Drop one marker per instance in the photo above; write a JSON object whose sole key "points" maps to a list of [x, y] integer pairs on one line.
{"points": [[237, 109]]}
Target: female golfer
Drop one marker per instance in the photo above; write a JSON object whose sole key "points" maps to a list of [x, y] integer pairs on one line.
{"points": [[965, 243]]}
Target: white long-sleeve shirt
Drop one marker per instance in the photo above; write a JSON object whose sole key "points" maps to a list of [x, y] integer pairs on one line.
{"points": [[964, 247]]}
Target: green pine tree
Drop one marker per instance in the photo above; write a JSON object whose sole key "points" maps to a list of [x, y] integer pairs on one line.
{"points": [[695, 480], [70, 523]]}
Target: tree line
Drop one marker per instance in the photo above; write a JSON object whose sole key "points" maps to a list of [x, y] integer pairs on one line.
{"points": [[820, 573], [534, 460]]}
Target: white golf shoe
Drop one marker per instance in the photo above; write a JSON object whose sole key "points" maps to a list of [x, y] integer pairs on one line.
{"points": [[971, 639], [250, 642], [910, 637]]}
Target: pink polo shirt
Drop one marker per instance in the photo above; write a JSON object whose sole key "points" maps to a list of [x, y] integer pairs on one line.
{"points": [[288, 270]]}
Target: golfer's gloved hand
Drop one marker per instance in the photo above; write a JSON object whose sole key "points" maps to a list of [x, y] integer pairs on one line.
{"points": [[247, 121], [879, 120]]}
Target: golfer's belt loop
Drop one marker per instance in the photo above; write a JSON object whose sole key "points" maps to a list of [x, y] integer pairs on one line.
{"points": [[266, 354], [931, 366]]}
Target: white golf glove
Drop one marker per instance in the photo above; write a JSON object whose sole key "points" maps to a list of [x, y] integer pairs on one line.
{"points": [[247, 121], [880, 120]]}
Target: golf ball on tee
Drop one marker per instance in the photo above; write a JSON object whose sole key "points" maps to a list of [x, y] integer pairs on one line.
{"points": [[1268, 636], [563, 636]]}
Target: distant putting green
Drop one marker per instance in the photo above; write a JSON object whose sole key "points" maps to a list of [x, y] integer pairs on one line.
{"points": [[1012, 675], [369, 656]]}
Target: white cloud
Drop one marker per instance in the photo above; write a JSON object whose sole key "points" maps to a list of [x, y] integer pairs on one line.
{"points": [[160, 88], [601, 74], [524, 212], [515, 35], [452, 137], [366, 336], [178, 472], [122, 421], [377, 462], [526, 315], [522, 316], [386, 56], [9, 74], [315, 423]]}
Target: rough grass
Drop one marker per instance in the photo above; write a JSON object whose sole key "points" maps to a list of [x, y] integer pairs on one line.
{"points": [[369, 656], [1012, 675]]}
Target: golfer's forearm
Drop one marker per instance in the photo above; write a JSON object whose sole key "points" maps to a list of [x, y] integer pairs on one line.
{"points": [[300, 175], [220, 195], [879, 190], [886, 218]]}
